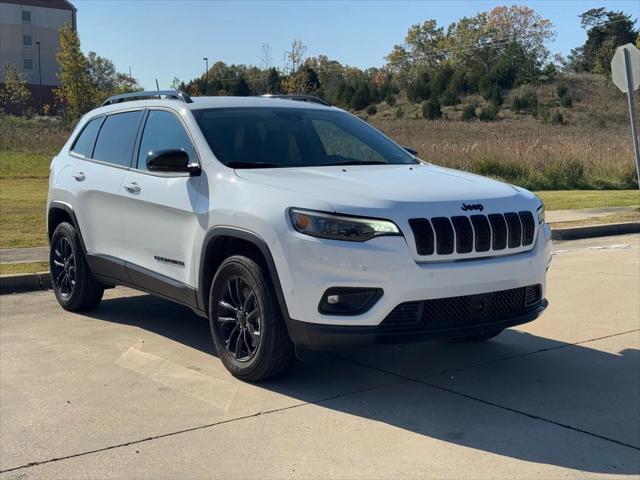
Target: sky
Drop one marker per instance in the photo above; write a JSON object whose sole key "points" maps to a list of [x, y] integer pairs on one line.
{"points": [[164, 39]]}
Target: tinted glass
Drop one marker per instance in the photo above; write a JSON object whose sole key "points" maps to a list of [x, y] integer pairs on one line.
{"points": [[84, 142], [116, 138], [162, 131], [288, 137]]}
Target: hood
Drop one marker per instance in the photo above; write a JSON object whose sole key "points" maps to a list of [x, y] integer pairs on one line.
{"points": [[373, 187]]}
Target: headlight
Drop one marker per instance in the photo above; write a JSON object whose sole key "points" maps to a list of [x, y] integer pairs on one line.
{"points": [[339, 227], [541, 214]]}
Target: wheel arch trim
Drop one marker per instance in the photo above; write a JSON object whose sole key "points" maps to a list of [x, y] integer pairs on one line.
{"points": [[59, 205], [248, 236]]}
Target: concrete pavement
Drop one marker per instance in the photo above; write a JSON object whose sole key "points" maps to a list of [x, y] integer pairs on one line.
{"points": [[134, 390]]}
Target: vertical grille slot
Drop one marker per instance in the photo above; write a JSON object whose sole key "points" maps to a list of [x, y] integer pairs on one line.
{"points": [[444, 235], [533, 295], [515, 229], [464, 234], [528, 227], [499, 227], [423, 233], [482, 232]]}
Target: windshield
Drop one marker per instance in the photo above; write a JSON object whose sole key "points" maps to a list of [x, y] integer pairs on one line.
{"points": [[294, 137]]}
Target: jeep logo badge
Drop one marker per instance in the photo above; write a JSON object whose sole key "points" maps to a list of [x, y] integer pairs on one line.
{"points": [[477, 206]]}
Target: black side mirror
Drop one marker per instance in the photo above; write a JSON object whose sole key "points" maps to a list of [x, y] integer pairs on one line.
{"points": [[171, 161], [412, 151]]}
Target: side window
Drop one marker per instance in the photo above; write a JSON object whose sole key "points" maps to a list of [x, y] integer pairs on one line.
{"points": [[84, 142], [117, 137], [162, 131]]}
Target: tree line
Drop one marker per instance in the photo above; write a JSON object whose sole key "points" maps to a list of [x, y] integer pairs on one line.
{"points": [[435, 66]]}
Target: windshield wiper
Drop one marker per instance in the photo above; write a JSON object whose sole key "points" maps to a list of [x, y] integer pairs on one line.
{"points": [[240, 164], [353, 162]]}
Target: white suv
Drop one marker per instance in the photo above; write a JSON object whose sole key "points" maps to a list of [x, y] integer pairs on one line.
{"points": [[285, 223]]}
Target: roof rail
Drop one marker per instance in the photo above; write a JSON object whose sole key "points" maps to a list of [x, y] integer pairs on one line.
{"points": [[299, 98], [125, 97]]}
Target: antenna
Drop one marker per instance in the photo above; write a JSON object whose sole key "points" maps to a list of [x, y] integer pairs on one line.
{"points": [[157, 86]]}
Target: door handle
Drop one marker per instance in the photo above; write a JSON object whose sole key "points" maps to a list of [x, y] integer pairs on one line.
{"points": [[79, 176], [132, 187]]}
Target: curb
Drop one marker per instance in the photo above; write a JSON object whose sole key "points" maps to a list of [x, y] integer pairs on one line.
{"points": [[590, 231], [25, 282], [28, 282]]}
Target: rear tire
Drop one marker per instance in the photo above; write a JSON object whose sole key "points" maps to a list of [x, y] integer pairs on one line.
{"points": [[247, 326], [72, 282]]}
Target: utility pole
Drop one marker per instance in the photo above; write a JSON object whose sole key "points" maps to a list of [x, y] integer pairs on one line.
{"points": [[206, 75], [39, 79]]}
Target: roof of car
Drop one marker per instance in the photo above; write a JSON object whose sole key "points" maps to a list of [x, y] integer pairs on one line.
{"points": [[231, 102], [181, 100]]}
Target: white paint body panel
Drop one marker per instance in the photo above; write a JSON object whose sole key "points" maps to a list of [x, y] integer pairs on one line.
{"points": [[171, 216]]}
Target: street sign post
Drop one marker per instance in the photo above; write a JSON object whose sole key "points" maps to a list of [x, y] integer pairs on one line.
{"points": [[625, 73]]}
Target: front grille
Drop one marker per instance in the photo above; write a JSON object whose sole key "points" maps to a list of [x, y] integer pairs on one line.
{"points": [[469, 310], [477, 233]]}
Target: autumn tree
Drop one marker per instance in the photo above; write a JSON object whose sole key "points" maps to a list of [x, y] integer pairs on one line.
{"points": [[77, 92], [15, 97]]}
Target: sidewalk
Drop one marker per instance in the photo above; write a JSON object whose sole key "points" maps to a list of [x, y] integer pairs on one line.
{"points": [[41, 254]]}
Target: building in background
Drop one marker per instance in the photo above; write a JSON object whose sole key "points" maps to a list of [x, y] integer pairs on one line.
{"points": [[26, 25]]}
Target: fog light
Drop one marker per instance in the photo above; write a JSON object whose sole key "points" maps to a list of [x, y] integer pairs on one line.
{"points": [[333, 299], [348, 300]]}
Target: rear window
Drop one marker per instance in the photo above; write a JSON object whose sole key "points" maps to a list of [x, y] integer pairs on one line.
{"points": [[84, 143], [117, 137], [294, 137]]}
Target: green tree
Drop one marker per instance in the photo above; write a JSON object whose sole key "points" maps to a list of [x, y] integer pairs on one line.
{"points": [[15, 96], [77, 91], [274, 81], [606, 30]]}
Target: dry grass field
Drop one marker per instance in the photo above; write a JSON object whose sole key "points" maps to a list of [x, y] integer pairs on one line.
{"points": [[590, 150]]}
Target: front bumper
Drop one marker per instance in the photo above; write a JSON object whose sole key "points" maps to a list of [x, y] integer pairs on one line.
{"points": [[318, 336], [309, 266]]}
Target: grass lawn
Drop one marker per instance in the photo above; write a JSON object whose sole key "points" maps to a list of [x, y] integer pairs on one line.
{"points": [[574, 199], [12, 268], [24, 165], [22, 212]]}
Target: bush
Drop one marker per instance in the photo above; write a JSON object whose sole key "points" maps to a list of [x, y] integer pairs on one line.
{"points": [[489, 113], [566, 101], [468, 113], [561, 90], [554, 118], [399, 112], [372, 110], [563, 95], [431, 110], [528, 102]]}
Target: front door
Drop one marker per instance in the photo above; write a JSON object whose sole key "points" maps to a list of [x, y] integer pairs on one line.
{"points": [[158, 213]]}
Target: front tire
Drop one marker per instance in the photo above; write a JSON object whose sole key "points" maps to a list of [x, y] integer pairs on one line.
{"points": [[246, 322], [72, 282]]}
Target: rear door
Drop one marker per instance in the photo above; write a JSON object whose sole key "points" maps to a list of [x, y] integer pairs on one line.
{"points": [[97, 180], [158, 213]]}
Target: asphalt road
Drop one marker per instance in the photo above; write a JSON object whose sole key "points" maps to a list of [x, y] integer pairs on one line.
{"points": [[134, 390]]}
